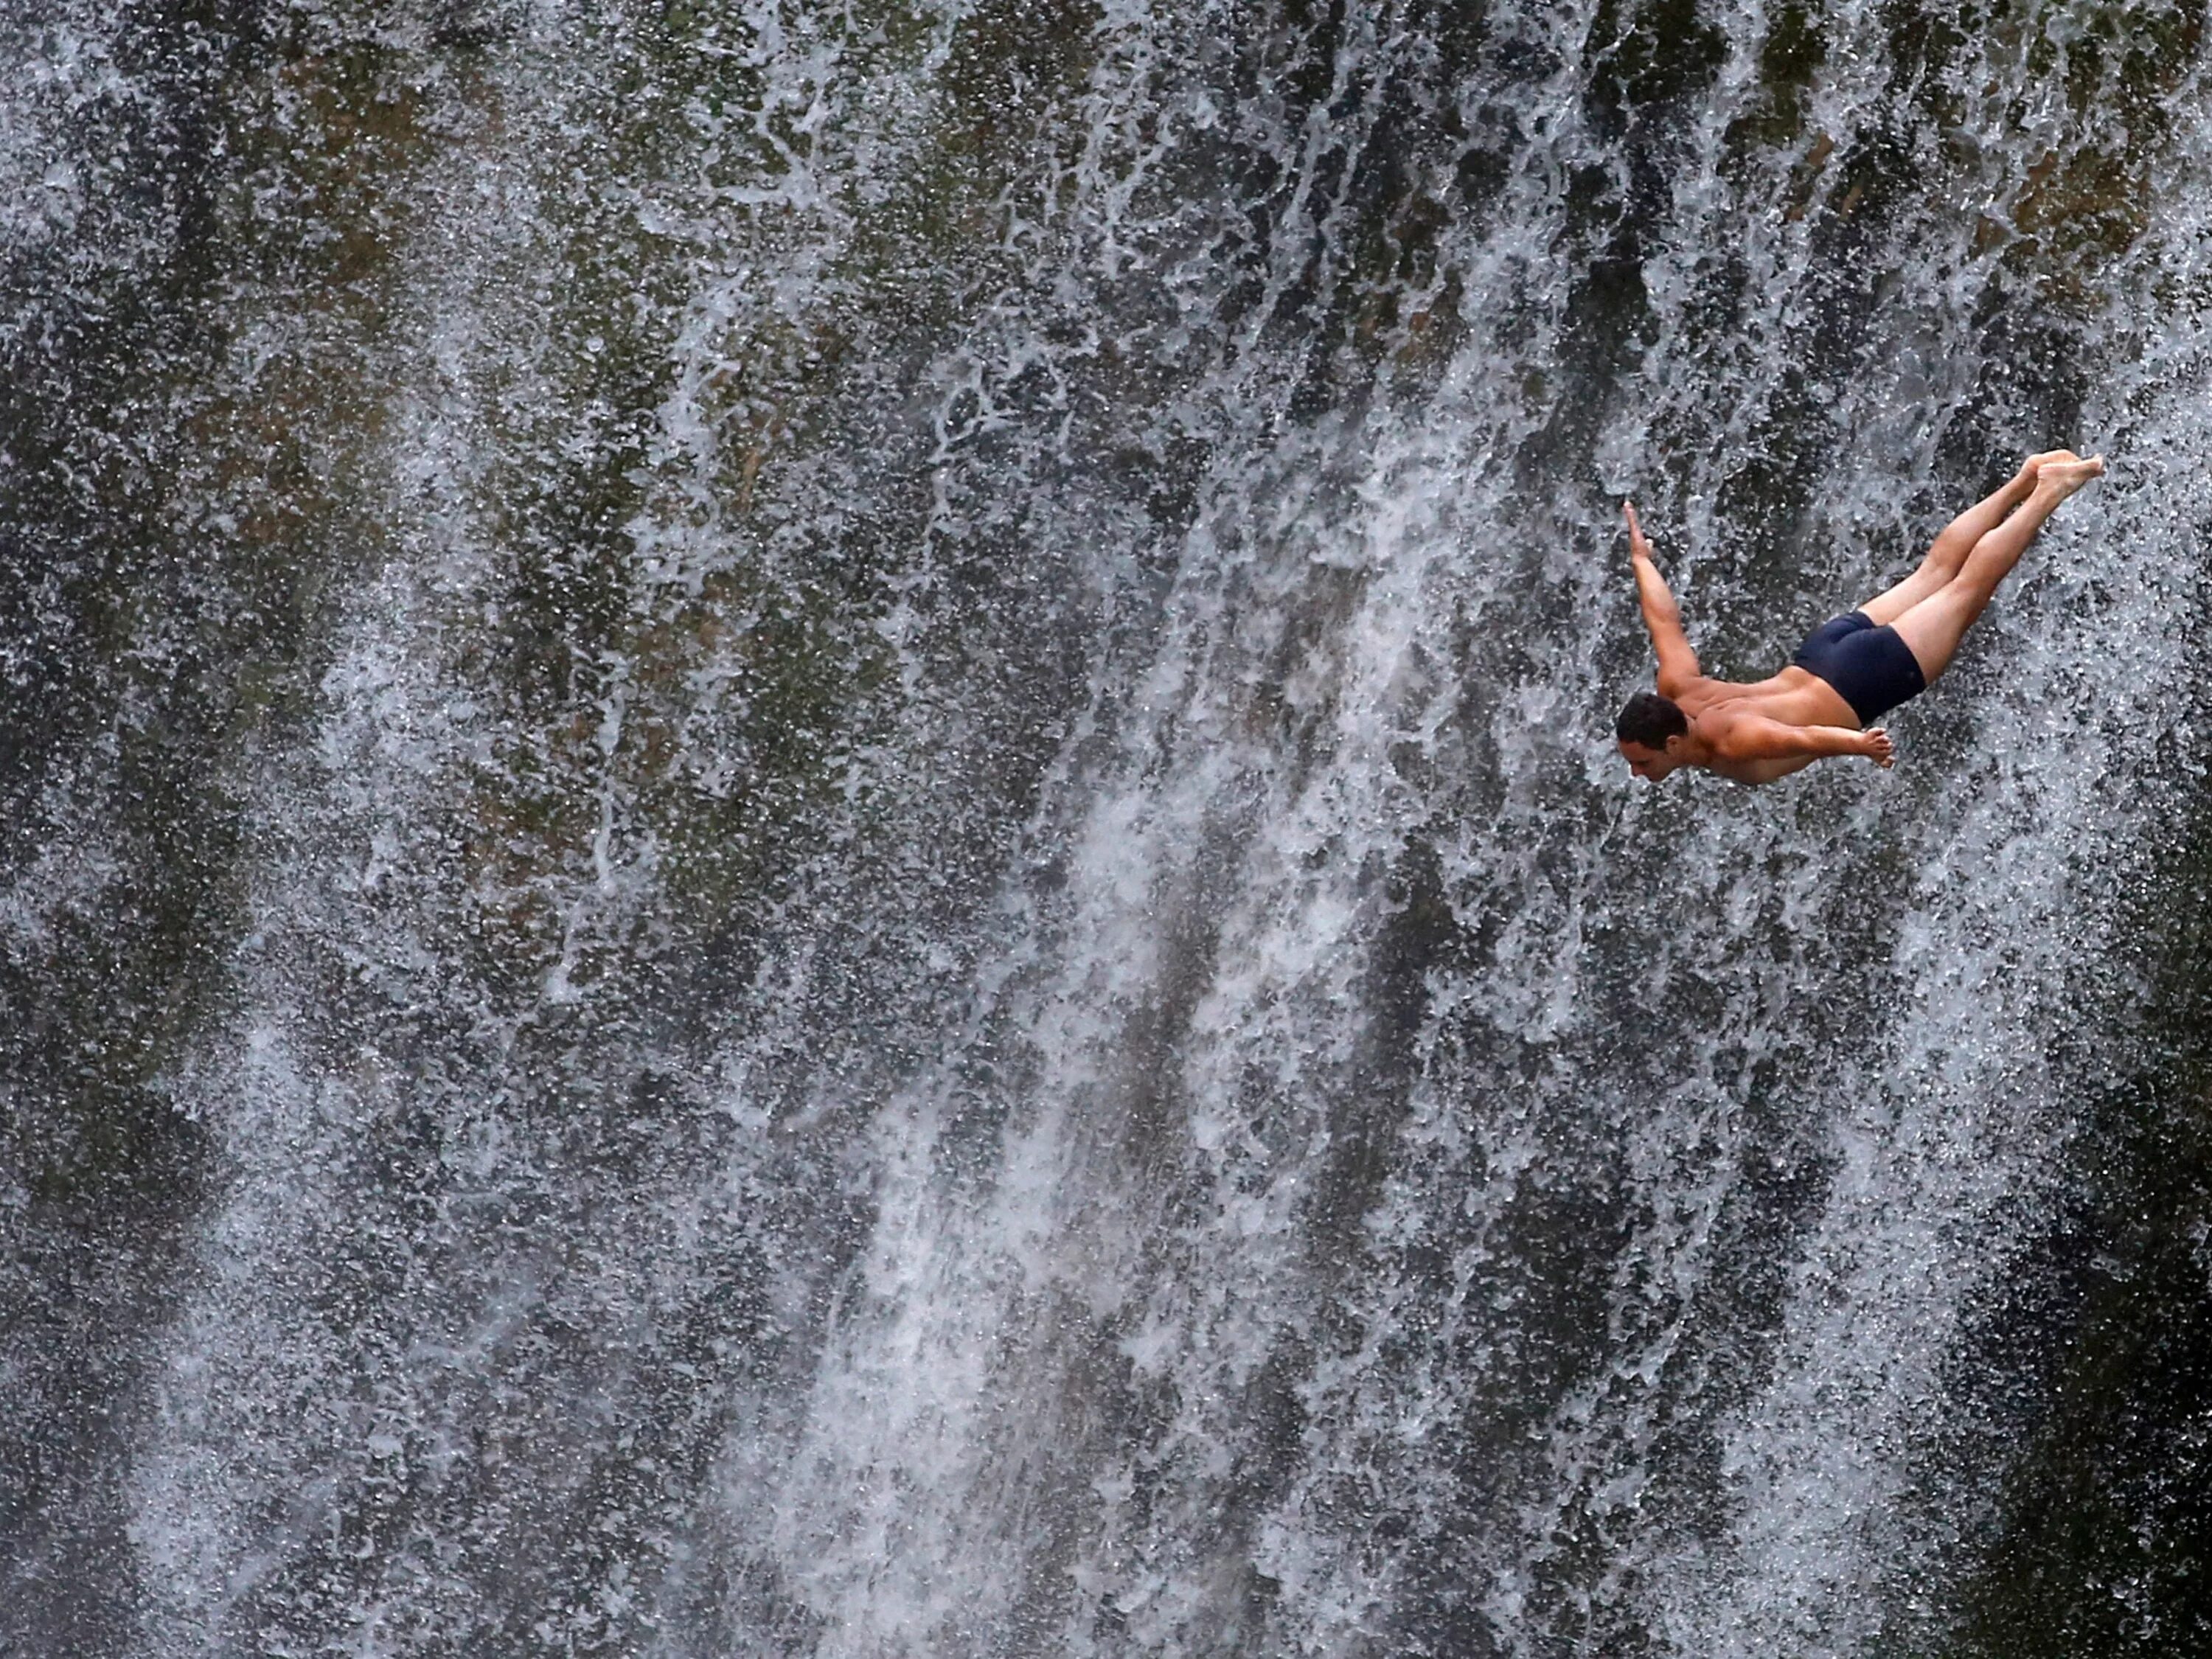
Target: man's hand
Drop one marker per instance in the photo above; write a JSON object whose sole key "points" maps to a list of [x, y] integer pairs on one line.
{"points": [[1638, 547], [1879, 749]]}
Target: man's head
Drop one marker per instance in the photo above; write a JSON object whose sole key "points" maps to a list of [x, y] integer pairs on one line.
{"points": [[1649, 729]]}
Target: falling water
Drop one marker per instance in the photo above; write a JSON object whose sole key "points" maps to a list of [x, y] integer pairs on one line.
{"points": [[813, 849]]}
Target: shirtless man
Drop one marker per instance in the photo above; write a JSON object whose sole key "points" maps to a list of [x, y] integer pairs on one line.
{"points": [[1852, 669]]}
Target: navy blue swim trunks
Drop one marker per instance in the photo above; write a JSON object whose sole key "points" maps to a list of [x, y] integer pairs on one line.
{"points": [[1873, 668]]}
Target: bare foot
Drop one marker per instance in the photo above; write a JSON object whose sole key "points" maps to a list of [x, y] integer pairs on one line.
{"points": [[2068, 475], [2034, 464]]}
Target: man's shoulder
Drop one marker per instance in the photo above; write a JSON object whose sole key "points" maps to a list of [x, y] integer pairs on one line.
{"points": [[1725, 719], [1702, 696]]}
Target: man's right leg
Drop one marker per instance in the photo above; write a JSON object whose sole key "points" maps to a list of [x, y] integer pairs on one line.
{"points": [[1946, 554], [1934, 627]]}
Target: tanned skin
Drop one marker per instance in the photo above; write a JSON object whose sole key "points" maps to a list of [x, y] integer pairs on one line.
{"points": [[1755, 734]]}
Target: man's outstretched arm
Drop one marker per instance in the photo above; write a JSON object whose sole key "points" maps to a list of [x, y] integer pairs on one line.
{"points": [[1678, 664], [1754, 736]]}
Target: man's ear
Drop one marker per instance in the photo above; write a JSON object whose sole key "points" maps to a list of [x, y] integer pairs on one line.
{"points": [[1668, 747]]}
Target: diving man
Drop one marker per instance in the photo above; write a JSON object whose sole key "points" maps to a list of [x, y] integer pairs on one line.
{"points": [[1851, 671]]}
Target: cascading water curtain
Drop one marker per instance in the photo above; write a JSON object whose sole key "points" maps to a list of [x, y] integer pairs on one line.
{"points": [[813, 846]]}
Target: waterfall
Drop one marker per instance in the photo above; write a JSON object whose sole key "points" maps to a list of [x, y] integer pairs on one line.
{"points": [[815, 849]]}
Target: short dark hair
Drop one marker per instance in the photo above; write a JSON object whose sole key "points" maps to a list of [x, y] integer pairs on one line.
{"points": [[1650, 719]]}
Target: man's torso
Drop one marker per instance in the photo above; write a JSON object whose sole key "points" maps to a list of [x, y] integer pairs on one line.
{"points": [[1796, 696]]}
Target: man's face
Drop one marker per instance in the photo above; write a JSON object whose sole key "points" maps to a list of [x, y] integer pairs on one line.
{"points": [[1652, 764]]}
